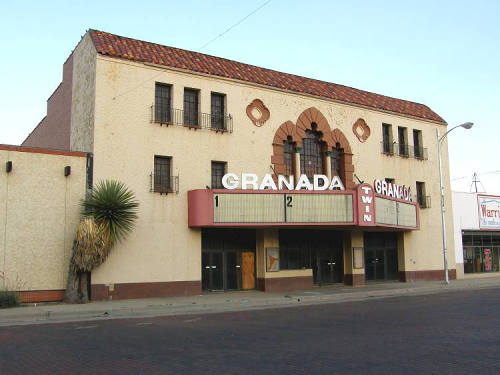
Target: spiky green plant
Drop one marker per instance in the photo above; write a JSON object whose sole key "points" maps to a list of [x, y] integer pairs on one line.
{"points": [[109, 215], [113, 205]]}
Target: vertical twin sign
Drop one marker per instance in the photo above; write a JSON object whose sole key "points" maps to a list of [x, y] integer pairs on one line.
{"points": [[366, 205]]}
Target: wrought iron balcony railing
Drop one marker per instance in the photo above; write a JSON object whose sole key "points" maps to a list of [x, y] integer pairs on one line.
{"points": [[196, 120], [387, 148], [164, 184], [424, 201], [404, 150]]}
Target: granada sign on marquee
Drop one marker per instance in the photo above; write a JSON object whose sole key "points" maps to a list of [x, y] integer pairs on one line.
{"points": [[489, 211], [320, 182], [391, 190]]}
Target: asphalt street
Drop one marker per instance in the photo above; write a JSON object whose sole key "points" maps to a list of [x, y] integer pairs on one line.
{"points": [[446, 333]]}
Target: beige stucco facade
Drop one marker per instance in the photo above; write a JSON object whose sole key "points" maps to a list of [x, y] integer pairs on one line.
{"points": [[124, 96], [111, 117], [40, 212]]}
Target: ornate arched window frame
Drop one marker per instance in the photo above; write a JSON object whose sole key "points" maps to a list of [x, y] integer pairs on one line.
{"points": [[312, 119]]}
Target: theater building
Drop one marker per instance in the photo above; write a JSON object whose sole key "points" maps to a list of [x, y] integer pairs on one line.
{"points": [[477, 234], [249, 178]]}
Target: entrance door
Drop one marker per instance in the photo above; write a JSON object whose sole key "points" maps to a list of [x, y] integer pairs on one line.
{"points": [[248, 272], [233, 270], [227, 262], [212, 270], [381, 256], [329, 267]]}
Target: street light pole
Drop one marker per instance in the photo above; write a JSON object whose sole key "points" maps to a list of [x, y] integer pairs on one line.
{"points": [[467, 126]]}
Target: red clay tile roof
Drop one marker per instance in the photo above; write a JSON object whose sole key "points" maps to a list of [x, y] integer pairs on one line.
{"points": [[137, 50]]}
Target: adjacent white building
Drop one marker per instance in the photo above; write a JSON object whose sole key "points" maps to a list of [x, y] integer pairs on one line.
{"points": [[476, 219]]}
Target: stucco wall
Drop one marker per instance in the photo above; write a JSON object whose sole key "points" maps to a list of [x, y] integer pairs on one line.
{"points": [[54, 129], [162, 247], [82, 105], [38, 217]]}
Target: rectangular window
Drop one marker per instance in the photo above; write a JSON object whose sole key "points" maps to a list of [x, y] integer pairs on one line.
{"points": [[417, 144], [295, 252], [336, 161], [218, 171], [387, 139], [288, 157], [403, 141], [390, 180], [218, 111], [162, 110], [481, 259], [421, 198], [191, 115], [162, 174], [311, 156]]}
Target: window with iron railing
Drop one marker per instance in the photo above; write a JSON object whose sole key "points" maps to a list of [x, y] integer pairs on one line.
{"points": [[218, 171], [418, 150], [217, 110], [162, 177], [422, 199], [191, 114], [163, 103], [403, 149]]}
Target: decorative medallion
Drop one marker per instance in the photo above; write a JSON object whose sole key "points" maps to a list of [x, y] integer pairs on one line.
{"points": [[361, 130], [257, 112]]}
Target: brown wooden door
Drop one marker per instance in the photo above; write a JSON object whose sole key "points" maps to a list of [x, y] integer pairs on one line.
{"points": [[248, 270]]}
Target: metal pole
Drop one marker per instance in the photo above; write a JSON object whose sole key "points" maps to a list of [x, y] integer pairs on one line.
{"points": [[443, 223]]}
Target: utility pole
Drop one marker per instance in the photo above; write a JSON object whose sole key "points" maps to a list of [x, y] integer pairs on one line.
{"points": [[475, 181]]}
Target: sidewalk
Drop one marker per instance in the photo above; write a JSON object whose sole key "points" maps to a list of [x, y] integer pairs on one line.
{"points": [[228, 301]]}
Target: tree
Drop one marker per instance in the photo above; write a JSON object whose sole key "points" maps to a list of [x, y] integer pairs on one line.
{"points": [[108, 216]]}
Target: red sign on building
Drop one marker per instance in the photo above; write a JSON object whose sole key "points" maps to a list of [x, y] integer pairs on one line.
{"points": [[366, 205]]}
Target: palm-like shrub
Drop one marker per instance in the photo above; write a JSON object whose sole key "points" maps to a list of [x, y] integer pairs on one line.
{"points": [[108, 216], [114, 206]]}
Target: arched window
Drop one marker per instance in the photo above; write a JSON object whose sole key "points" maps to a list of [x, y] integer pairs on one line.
{"points": [[336, 158], [311, 158], [289, 156]]}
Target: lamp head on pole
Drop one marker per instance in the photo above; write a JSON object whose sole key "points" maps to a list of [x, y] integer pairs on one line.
{"points": [[467, 125]]}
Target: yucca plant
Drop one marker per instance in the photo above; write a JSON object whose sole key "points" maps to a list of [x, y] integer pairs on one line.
{"points": [[113, 205], [108, 216]]}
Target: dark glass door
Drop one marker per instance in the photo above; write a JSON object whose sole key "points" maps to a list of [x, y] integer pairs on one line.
{"points": [[325, 270], [370, 256], [329, 266], [381, 264], [205, 270], [233, 270], [212, 270], [391, 264], [381, 256]]}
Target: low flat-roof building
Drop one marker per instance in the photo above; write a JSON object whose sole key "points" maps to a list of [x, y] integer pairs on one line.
{"points": [[248, 177], [476, 219]]}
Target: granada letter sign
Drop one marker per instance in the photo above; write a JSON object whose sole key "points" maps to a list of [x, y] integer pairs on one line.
{"points": [[489, 211]]}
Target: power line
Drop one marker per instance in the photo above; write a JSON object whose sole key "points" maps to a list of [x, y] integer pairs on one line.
{"points": [[210, 41], [236, 24], [479, 174]]}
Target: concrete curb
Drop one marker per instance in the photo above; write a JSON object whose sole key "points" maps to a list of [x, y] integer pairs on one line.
{"points": [[44, 314]]}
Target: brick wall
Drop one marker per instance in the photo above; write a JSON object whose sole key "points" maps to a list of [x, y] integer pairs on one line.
{"points": [[54, 130]]}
